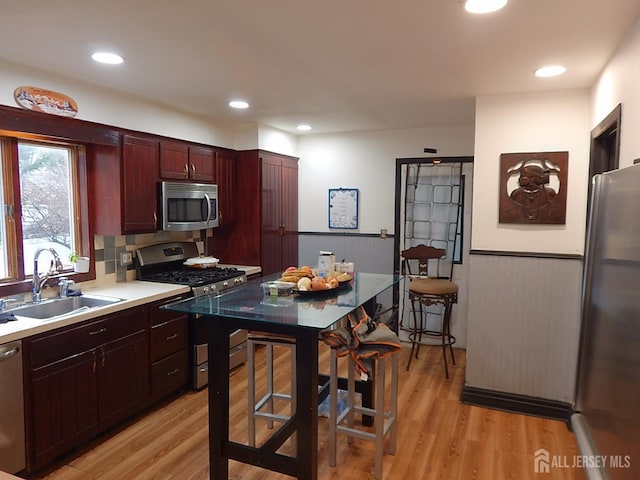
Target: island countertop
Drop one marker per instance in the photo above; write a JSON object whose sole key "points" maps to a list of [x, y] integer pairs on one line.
{"points": [[316, 310], [300, 315]]}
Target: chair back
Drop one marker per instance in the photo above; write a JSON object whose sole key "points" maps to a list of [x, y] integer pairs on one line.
{"points": [[422, 255]]}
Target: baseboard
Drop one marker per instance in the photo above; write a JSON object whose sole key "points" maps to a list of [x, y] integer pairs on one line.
{"points": [[510, 402]]}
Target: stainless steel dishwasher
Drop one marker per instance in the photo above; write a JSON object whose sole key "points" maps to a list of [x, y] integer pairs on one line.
{"points": [[12, 445]]}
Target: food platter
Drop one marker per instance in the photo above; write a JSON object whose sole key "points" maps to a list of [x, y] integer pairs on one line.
{"points": [[319, 293], [201, 262]]}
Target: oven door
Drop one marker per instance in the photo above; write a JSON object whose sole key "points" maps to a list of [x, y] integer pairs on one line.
{"points": [[188, 206], [200, 351]]}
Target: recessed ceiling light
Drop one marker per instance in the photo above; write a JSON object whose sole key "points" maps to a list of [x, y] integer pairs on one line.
{"points": [[240, 104], [304, 127], [484, 6], [107, 57], [550, 71]]}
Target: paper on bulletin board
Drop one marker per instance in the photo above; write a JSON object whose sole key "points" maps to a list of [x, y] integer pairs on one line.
{"points": [[343, 208]]}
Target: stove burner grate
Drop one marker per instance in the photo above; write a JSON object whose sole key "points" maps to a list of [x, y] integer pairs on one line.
{"points": [[193, 277]]}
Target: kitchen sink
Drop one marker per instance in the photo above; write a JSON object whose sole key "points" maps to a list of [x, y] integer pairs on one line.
{"points": [[63, 307]]}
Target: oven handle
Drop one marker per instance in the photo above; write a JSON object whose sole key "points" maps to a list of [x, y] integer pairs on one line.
{"points": [[208, 200]]}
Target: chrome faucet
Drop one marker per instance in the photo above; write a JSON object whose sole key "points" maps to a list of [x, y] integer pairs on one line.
{"points": [[39, 280]]}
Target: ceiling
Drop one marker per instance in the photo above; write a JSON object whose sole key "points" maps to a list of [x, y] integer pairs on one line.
{"points": [[338, 65]]}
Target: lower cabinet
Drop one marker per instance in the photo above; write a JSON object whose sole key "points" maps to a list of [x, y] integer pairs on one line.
{"points": [[169, 350], [82, 380]]}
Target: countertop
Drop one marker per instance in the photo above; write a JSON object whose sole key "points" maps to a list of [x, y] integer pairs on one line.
{"points": [[248, 269], [133, 293]]}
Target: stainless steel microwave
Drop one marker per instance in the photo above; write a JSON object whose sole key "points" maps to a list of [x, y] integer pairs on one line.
{"points": [[188, 206]]}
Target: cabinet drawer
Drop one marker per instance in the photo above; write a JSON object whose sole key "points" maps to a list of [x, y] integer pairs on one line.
{"points": [[169, 374], [159, 316], [168, 338], [59, 344]]}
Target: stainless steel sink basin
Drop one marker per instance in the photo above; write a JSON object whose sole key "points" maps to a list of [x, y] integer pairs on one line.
{"points": [[63, 307]]}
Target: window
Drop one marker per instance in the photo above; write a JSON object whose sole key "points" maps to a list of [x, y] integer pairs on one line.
{"points": [[433, 205], [41, 203]]}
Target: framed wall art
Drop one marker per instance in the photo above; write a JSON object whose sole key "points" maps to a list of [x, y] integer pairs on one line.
{"points": [[343, 208], [533, 188], [47, 101]]}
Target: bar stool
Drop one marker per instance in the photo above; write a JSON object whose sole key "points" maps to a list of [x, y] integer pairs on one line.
{"points": [[264, 408], [428, 291], [384, 421]]}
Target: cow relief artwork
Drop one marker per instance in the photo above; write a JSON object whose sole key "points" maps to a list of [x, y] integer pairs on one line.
{"points": [[533, 188]]}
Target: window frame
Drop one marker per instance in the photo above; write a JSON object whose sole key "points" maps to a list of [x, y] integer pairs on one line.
{"points": [[19, 282]]}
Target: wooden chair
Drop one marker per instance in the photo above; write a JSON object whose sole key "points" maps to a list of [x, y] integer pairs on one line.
{"points": [[428, 290]]}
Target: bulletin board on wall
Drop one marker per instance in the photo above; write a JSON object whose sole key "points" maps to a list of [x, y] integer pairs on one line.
{"points": [[343, 208]]}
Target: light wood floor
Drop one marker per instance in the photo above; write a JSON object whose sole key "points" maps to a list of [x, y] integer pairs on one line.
{"points": [[438, 438]]}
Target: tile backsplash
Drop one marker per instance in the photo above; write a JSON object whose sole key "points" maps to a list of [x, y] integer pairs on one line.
{"points": [[108, 249]]}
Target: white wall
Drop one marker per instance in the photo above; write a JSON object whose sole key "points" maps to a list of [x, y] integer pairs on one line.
{"points": [[541, 122], [277, 141], [367, 161], [618, 83], [523, 315], [110, 108], [524, 333]]}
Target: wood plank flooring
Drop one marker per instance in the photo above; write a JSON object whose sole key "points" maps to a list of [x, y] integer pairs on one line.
{"points": [[438, 437]]}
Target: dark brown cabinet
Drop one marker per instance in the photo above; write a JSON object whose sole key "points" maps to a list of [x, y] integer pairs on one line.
{"points": [[169, 354], [123, 186], [266, 228], [81, 380], [226, 180], [140, 173], [180, 161]]}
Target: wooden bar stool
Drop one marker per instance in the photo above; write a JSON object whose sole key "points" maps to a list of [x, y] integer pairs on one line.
{"points": [[384, 421], [428, 291], [264, 407]]}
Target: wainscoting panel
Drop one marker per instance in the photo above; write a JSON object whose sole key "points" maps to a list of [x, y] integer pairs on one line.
{"points": [[524, 325], [369, 253]]}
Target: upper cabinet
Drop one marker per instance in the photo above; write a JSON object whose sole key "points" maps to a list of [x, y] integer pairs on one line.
{"points": [[123, 186], [181, 161], [226, 179], [140, 173], [265, 231]]}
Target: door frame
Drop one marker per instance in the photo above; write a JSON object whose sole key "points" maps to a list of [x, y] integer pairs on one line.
{"points": [[400, 162]]}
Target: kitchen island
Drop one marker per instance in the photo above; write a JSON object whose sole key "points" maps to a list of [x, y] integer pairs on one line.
{"points": [[301, 316]]}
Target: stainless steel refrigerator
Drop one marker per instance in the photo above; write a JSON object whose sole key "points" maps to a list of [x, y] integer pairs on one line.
{"points": [[607, 422]]}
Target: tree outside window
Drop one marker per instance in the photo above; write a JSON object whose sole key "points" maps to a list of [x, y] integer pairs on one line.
{"points": [[46, 198], [43, 208]]}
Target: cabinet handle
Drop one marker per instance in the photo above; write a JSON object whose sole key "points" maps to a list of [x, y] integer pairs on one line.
{"points": [[171, 337], [172, 372], [186, 171], [98, 332], [9, 353], [219, 215], [103, 356], [155, 218], [193, 169], [93, 366]]}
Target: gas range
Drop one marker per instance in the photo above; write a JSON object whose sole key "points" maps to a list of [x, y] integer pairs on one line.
{"points": [[165, 263]]}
